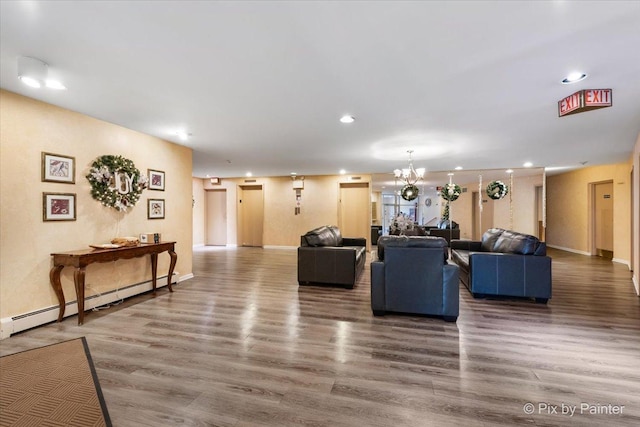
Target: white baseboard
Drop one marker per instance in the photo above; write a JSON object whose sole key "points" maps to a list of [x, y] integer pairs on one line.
{"points": [[198, 245], [575, 251], [279, 247], [22, 322], [622, 261]]}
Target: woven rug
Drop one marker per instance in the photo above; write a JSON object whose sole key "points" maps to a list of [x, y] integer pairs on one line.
{"points": [[51, 386]]}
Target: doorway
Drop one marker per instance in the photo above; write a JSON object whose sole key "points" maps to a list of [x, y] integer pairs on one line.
{"points": [[354, 214], [216, 225], [602, 226], [250, 215], [540, 226]]}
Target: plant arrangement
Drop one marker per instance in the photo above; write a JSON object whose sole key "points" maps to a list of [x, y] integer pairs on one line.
{"points": [[497, 190], [116, 182]]}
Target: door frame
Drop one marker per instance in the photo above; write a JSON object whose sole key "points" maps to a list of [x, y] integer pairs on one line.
{"points": [[591, 237]]}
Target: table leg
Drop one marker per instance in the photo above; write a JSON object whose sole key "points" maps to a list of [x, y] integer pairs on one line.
{"points": [[154, 270], [78, 280], [54, 278], [174, 258]]}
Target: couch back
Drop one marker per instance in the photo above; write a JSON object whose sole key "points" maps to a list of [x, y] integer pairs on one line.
{"points": [[412, 242], [327, 235], [512, 242]]}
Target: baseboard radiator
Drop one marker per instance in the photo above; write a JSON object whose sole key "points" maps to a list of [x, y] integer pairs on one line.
{"points": [[22, 322]]}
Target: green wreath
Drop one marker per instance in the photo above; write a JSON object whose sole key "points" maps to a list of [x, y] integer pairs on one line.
{"points": [[409, 192], [451, 192], [116, 182], [497, 190]]}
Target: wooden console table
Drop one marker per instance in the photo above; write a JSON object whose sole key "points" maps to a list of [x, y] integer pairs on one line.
{"points": [[82, 258]]}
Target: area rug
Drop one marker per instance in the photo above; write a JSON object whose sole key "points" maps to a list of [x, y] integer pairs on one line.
{"points": [[51, 386]]}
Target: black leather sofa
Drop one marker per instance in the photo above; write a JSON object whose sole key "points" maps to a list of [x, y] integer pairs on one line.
{"points": [[412, 275], [324, 256], [448, 230], [504, 263]]}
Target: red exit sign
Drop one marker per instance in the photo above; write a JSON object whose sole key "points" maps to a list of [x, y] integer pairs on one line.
{"points": [[585, 100]]}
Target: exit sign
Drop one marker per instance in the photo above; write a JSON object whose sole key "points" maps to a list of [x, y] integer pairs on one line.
{"points": [[585, 100]]}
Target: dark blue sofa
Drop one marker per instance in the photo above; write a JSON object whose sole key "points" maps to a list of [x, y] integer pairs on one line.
{"points": [[412, 275], [504, 263]]}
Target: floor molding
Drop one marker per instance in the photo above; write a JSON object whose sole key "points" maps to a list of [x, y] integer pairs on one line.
{"points": [[575, 251]]}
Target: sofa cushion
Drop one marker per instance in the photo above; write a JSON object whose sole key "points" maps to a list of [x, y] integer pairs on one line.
{"points": [[489, 238], [321, 236], [412, 242], [512, 242], [336, 234]]}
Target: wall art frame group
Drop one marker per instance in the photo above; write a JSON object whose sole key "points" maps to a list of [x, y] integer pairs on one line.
{"points": [[58, 206], [156, 179], [58, 168], [155, 208]]}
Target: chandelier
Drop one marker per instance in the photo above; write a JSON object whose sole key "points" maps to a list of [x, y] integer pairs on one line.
{"points": [[410, 176]]}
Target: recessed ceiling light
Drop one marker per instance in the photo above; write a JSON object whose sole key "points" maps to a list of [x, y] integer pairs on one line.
{"points": [[458, 168], [342, 171], [347, 119], [249, 174], [574, 77], [183, 135], [54, 84], [509, 171], [294, 173], [527, 164]]}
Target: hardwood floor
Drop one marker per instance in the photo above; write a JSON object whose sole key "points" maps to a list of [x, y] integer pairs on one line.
{"points": [[242, 345]]}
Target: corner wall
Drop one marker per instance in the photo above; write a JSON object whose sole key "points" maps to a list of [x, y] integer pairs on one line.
{"points": [[568, 209], [635, 265], [28, 128]]}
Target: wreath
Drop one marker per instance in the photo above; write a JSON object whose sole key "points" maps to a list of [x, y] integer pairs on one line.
{"points": [[116, 182], [451, 192], [409, 192], [497, 190]]}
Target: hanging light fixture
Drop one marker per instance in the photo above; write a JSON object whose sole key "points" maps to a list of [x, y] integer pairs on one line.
{"points": [[411, 177]]}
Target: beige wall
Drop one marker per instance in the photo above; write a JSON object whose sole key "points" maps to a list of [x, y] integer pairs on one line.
{"points": [[636, 216], [569, 208], [319, 206], [29, 127], [199, 211]]}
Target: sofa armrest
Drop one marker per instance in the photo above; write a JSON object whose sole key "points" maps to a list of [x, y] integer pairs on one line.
{"points": [[450, 290], [467, 245], [377, 287], [354, 241]]}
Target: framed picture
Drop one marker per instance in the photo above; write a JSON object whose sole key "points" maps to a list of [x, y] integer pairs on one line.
{"points": [[155, 208], [58, 168], [156, 180], [58, 206]]}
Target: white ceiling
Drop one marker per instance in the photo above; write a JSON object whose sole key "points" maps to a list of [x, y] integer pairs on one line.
{"points": [[261, 85]]}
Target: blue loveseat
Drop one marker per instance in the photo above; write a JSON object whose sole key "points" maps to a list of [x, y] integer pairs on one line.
{"points": [[504, 263]]}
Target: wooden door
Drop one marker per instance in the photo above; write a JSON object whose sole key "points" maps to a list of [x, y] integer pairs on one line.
{"points": [[216, 226], [603, 217], [355, 216], [251, 215]]}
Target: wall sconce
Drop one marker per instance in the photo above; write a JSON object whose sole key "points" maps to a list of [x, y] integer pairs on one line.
{"points": [[298, 185], [34, 72]]}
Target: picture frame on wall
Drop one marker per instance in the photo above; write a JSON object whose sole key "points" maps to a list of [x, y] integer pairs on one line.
{"points": [[58, 206], [58, 168], [155, 208], [156, 180]]}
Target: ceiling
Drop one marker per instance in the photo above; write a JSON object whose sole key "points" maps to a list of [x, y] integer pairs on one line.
{"points": [[261, 85]]}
